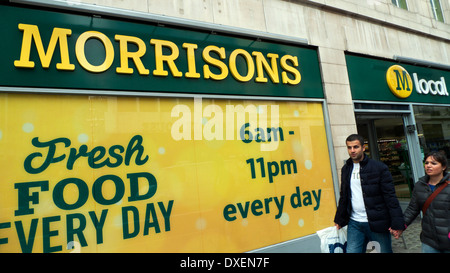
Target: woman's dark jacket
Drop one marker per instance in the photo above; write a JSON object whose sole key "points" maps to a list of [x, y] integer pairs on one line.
{"points": [[382, 207], [436, 220]]}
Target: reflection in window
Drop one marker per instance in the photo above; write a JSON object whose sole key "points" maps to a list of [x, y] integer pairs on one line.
{"points": [[400, 3], [433, 126], [437, 10]]}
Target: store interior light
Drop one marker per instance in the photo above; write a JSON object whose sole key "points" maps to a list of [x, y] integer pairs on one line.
{"points": [[421, 62]]}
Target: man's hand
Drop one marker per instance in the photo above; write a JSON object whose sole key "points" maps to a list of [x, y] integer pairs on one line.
{"points": [[396, 233]]}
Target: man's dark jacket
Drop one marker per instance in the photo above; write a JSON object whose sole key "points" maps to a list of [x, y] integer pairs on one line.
{"points": [[382, 207]]}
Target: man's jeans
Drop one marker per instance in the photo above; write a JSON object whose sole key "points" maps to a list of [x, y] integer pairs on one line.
{"points": [[359, 235]]}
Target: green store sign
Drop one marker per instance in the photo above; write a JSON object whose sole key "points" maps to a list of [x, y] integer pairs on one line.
{"points": [[382, 80], [49, 49]]}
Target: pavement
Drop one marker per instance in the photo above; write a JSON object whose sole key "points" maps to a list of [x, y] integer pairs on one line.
{"points": [[410, 243]]}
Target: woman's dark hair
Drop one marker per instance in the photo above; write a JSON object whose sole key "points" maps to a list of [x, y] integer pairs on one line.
{"points": [[439, 157]]}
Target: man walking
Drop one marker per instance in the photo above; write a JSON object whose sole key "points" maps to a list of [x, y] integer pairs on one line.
{"points": [[367, 203]]}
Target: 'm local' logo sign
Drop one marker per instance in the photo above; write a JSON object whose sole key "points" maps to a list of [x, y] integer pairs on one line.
{"points": [[401, 84], [399, 81]]}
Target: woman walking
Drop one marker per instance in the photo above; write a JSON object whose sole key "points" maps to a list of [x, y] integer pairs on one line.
{"points": [[431, 195]]}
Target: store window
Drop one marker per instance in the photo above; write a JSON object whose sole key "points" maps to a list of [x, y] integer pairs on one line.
{"points": [[433, 127], [169, 172], [437, 10], [400, 3]]}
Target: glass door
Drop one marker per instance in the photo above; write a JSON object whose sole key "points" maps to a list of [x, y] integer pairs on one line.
{"points": [[386, 141]]}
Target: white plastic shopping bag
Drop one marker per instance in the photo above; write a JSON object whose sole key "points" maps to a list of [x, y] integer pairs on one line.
{"points": [[333, 240]]}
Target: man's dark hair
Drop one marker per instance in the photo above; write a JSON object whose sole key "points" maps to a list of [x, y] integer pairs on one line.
{"points": [[354, 137]]}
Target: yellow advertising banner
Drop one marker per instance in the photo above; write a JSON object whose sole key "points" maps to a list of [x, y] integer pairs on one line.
{"points": [[143, 174]]}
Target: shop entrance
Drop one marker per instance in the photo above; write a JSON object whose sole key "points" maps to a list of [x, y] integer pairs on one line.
{"points": [[386, 141]]}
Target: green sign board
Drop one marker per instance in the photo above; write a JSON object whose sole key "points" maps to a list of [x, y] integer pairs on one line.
{"points": [[48, 49], [383, 80]]}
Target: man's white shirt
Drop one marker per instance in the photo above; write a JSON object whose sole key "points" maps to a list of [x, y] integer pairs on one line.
{"points": [[358, 207]]}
